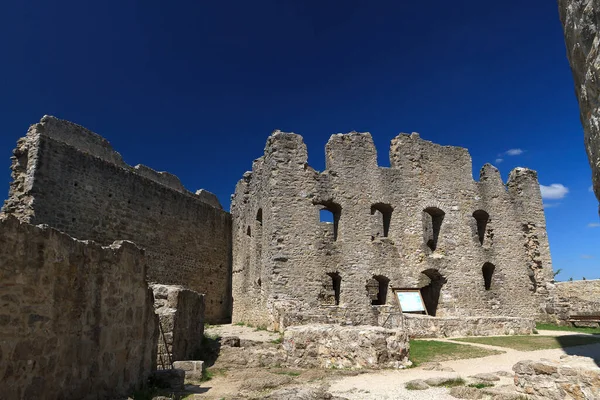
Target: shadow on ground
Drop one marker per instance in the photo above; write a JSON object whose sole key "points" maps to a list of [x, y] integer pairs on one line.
{"points": [[580, 345], [210, 350]]}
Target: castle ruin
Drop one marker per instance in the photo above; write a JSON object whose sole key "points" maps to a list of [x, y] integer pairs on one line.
{"points": [[472, 248], [71, 179], [476, 251]]}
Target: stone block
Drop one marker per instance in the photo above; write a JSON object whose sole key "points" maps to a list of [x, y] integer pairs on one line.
{"points": [[193, 369], [355, 347], [570, 377]]}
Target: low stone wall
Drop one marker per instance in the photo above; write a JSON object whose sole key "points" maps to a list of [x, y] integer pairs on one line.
{"points": [[181, 314], [573, 377], [356, 347], [76, 319], [576, 298], [424, 326]]}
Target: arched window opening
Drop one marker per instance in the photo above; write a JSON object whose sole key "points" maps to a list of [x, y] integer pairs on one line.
{"points": [[377, 288], [431, 283], [487, 271], [482, 219], [384, 215], [330, 292], [432, 223], [259, 217], [330, 212], [249, 231]]}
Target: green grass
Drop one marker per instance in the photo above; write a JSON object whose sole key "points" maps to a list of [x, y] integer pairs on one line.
{"points": [[552, 327], [434, 351], [480, 385], [530, 343], [210, 373], [279, 340], [452, 383]]}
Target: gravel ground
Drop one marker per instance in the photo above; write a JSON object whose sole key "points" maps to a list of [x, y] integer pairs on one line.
{"points": [[390, 384], [387, 384]]}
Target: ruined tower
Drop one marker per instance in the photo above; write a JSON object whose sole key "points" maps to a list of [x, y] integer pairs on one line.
{"points": [[471, 248]]}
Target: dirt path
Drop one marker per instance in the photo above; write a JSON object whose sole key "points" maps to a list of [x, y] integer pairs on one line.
{"points": [[368, 385], [390, 384]]}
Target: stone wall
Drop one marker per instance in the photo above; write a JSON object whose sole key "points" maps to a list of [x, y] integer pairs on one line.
{"points": [[354, 347], [581, 19], [573, 377], [181, 316], [473, 248], [76, 319], [71, 179], [424, 326], [577, 298]]}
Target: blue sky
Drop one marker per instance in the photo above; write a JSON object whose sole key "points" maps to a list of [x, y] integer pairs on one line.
{"points": [[196, 87]]}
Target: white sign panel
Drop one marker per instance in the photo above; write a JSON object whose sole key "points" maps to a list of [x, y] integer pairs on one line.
{"points": [[410, 301]]}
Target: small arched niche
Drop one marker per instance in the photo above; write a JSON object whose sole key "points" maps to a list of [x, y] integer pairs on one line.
{"points": [[431, 287], [482, 218], [432, 224], [330, 212], [330, 292], [377, 290], [383, 213], [488, 271]]}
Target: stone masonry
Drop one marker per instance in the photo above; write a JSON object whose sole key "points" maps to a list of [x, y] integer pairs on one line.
{"points": [[354, 347], [473, 248], [572, 377], [76, 319], [577, 298], [71, 179], [581, 21], [181, 316]]}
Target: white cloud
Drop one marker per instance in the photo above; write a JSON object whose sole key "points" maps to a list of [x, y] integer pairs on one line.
{"points": [[551, 205], [594, 225], [591, 188], [555, 191], [499, 160], [587, 256], [514, 152]]}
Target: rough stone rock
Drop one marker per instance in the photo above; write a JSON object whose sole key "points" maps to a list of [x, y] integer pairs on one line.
{"points": [[266, 355], [463, 392], [424, 326], [438, 380], [265, 381], [416, 384], [580, 19], [572, 377], [431, 366], [505, 374], [485, 377], [231, 341], [302, 394], [193, 369], [353, 347], [169, 379], [181, 316]]}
